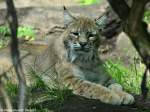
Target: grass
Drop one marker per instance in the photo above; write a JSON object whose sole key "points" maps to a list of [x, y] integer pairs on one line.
{"points": [[24, 32], [40, 97], [129, 77], [54, 94]]}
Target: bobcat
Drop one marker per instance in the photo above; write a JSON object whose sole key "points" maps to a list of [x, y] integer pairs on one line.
{"points": [[76, 63]]}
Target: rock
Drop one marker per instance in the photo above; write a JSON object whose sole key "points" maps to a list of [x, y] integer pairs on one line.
{"points": [[125, 49]]}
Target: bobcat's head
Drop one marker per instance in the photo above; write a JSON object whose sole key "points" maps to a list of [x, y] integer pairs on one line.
{"points": [[82, 38]]}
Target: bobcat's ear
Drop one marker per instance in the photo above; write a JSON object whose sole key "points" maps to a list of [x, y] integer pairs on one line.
{"points": [[101, 21], [68, 18]]}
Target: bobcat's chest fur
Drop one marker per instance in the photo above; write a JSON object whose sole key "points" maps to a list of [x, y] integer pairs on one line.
{"points": [[87, 74]]}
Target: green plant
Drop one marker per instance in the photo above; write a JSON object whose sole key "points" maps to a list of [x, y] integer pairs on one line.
{"points": [[4, 39], [40, 96], [41, 93], [88, 2], [24, 32], [147, 16], [12, 89], [4, 30], [59, 94], [129, 77]]}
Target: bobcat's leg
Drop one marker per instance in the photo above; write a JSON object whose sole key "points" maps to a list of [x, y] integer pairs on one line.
{"points": [[92, 90], [89, 89], [127, 98]]}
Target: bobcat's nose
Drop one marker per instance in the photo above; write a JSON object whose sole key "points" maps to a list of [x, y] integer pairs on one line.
{"points": [[83, 44]]}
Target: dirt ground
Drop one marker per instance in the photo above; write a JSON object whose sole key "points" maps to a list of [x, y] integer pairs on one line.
{"points": [[75, 103], [80, 104], [41, 3], [47, 14]]}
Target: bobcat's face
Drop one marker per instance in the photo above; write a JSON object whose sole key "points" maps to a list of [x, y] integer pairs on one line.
{"points": [[82, 38]]}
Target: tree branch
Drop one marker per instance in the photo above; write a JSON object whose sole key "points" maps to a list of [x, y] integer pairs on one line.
{"points": [[120, 7], [13, 24], [6, 98], [136, 29]]}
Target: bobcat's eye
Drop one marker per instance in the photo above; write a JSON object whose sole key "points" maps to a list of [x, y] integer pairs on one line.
{"points": [[74, 34], [92, 37]]}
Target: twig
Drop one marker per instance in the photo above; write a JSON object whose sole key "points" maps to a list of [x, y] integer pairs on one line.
{"points": [[6, 98], [144, 88], [1, 107], [55, 29], [12, 66]]}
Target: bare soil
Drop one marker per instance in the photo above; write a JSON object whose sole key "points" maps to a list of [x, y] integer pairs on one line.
{"points": [[41, 3], [80, 104]]}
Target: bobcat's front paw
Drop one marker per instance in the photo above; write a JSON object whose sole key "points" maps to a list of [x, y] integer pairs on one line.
{"points": [[128, 99], [115, 99], [121, 98]]}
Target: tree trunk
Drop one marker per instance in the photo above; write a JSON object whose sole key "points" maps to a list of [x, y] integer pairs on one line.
{"points": [[136, 29]]}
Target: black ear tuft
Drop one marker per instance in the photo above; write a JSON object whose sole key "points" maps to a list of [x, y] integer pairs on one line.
{"points": [[64, 8], [68, 18]]}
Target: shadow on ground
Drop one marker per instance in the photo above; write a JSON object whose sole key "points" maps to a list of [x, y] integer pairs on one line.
{"points": [[81, 104]]}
